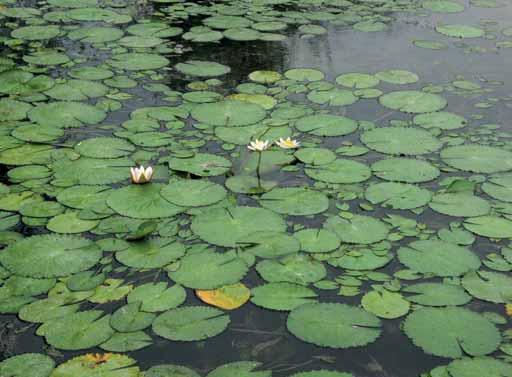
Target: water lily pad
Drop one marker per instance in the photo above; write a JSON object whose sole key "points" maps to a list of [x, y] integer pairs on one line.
{"points": [[443, 6], [315, 156], [488, 286], [209, 270], [202, 68], [460, 205], [397, 76], [438, 257], [170, 370], [151, 253], [96, 34], [104, 147], [400, 141], [333, 97], [441, 119], [157, 297], [333, 325], [36, 33], [460, 31], [295, 201], [397, 195], [190, 323], [227, 297], [478, 366], [240, 369], [129, 318], [326, 125], [452, 332], [66, 114], [299, 269], [478, 158], [138, 61], [142, 202], [412, 101], [405, 170], [340, 171], [124, 342], [282, 296], [193, 193], [489, 226], [93, 365], [499, 187], [45, 256], [317, 240], [304, 74], [27, 365], [78, 331], [357, 80], [358, 229], [13, 110], [385, 304], [228, 113], [437, 294], [227, 226], [69, 222]]}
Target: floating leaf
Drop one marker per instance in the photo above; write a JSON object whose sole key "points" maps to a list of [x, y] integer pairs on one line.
{"points": [[333, 325], [452, 332], [282, 296], [227, 297], [190, 323]]}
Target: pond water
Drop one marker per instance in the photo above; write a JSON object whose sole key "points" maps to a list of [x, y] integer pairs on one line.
{"points": [[375, 246]]}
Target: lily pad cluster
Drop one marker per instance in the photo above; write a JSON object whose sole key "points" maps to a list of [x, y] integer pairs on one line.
{"points": [[402, 222]]}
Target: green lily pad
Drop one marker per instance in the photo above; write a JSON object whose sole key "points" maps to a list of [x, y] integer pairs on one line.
{"points": [[438, 257], [304, 74], [317, 240], [405, 170], [413, 101], [499, 187], [452, 332], [66, 114], [326, 125], [333, 325], [209, 270], [397, 195], [170, 370], [385, 304], [36, 33], [157, 297], [340, 171], [443, 6], [441, 119], [138, 61], [397, 76], [333, 97], [460, 31], [78, 331], [489, 226], [358, 229], [151, 253], [460, 205], [108, 365], [190, 323], [478, 158], [240, 369], [357, 80], [129, 318], [44, 256], [13, 110], [69, 222], [479, 366], [400, 141], [282, 296], [437, 294], [27, 365], [142, 202], [295, 201], [228, 226], [488, 286], [202, 68], [124, 342], [193, 193], [299, 269], [228, 113]]}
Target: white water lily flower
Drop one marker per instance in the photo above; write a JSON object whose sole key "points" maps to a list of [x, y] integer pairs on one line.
{"points": [[141, 174], [288, 143], [259, 145]]}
